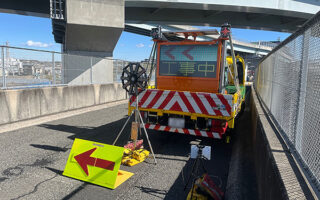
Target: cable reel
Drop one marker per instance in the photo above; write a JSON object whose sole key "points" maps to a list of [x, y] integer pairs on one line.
{"points": [[134, 78]]}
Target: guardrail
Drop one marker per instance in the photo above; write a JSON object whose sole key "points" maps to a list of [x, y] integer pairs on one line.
{"points": [[288, 83], [25, 68]]}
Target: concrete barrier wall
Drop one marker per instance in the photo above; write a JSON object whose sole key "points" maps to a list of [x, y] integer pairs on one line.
{"points": [[270, 185], [278, 175], [16, 105]]}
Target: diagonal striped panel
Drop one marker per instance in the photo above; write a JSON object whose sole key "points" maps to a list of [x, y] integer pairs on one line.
{"points": [[189, 102], [209, 134]]}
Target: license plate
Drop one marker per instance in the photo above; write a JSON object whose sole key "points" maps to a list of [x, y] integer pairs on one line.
{"points": [[176, 122]]}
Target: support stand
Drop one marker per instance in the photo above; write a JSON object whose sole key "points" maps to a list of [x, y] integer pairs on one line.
{"points": [[139, 120], [195, 169]]}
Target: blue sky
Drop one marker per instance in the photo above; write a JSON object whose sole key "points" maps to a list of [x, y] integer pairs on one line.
{"points": [[36, 33]]}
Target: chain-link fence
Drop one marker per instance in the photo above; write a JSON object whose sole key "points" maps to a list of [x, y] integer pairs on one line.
{"points": [[288, 82], [21, 67]]}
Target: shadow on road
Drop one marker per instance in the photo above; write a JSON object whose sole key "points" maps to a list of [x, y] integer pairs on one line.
{"points": [[49, 147], [104, 134], [166, 146], [153, 192]]}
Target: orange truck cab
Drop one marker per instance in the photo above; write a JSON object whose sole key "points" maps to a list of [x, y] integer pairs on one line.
{"points": [[195, 90]]}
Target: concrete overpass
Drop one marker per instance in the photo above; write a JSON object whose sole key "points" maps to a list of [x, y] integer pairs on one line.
{"points": [[101, 25], [276, 15]]}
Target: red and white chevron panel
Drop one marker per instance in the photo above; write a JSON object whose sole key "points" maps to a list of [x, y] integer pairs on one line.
{"points": [[209, 134], [190, 102]]}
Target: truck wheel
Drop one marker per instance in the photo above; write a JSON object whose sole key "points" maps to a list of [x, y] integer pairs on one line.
{"points": [[227, 136], [227, 139], [243, 106]]}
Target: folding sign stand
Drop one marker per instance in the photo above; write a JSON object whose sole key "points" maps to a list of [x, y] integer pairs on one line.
{"points": [[139, 120], [96, 163]]}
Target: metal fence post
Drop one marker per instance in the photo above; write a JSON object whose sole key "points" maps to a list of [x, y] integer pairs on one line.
{"points": [[272, 83], [91, 76], [4, 84], [53, 69], [116, 76], [302, 92], [63, 66]]}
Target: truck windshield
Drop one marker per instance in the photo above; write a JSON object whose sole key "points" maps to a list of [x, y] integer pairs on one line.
{"points": [[188, 60]]}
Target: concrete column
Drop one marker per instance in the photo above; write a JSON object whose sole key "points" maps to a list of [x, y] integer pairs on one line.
{"points": [[92, 30]]}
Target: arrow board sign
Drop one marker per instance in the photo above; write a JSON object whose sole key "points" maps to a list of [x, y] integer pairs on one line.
{"points": [[96, 163], [188, 60]]}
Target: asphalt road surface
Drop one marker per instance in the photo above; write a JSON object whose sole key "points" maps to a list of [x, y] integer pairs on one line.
{"points": [[32, 160]]}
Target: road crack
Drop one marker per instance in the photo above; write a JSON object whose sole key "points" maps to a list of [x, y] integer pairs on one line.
{"points": [[35, 189]]}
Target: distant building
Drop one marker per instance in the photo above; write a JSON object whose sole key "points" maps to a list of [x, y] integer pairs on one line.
{"points": [[36, 67], [12, 66], [27, 69]]}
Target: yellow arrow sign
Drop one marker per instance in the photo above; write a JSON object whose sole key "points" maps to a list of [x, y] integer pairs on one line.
{"points": [[96, 163]]}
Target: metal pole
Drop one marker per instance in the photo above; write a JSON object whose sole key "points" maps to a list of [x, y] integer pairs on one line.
{"points": [[235, 70], [3, 69], [91, 77], [222, 67], [60, 10], [145, 131], [63, 65], [137, 108], [55, 8], [154, 48], [151, 55], [303, 83], [116, 76], [125, 124], [53, 69]]}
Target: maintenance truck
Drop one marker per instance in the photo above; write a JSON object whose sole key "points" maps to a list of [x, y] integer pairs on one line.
{"points": [[199, 90]]}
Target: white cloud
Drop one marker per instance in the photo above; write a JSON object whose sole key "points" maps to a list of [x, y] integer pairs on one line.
{"points": [[140, 45], [150, 45], [31, 43]]}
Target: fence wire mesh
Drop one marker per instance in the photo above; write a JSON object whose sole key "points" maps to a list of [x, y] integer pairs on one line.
{"points": [[288, 82], [2, 68], [20, 67]]}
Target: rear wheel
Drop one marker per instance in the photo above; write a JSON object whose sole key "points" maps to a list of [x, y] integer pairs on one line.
{"points": [[227, 139], [243, 106]]}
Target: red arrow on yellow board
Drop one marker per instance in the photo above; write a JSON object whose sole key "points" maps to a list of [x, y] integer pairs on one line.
{"points": [[84, 159]]}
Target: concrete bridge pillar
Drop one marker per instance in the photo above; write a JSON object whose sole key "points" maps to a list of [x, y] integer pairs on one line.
{"points": [[92, 29]]}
